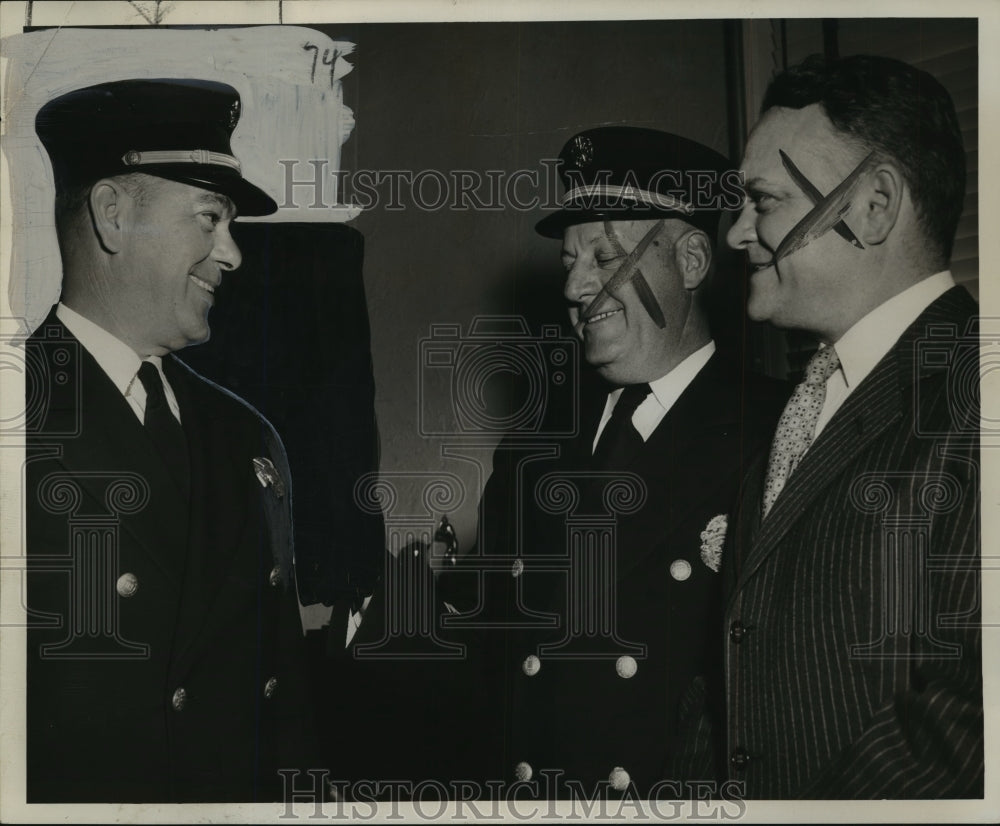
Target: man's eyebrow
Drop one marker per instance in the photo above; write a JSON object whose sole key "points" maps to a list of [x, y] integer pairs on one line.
{"points": [[597, 237], [756, 184], [217, 199]]}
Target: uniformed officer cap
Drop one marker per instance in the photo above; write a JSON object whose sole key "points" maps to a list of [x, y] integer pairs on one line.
{"points": [[624, 173], [172, 128]]}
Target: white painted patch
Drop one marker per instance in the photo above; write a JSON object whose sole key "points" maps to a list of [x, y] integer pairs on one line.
{"points": [[289, 80]]}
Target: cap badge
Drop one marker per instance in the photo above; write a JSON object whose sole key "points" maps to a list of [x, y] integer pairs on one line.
{"points": [[582, 151], [268, 476], [234, 114]]}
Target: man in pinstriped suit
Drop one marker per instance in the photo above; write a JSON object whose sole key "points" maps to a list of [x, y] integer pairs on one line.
{"points": [[852, 662]]}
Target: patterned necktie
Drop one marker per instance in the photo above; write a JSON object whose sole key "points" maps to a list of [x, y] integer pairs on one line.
{"points": [[163, 428], [798, 423], [619, 439]]}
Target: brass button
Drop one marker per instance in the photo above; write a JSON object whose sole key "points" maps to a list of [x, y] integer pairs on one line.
{"points": [[531, 665], [680, 569], [737, 631], [619, 779], [739, 759], [275, 578], [179, 700], [523, 771], [517, 568], [270, 687], [626, 667], [127, 585]]}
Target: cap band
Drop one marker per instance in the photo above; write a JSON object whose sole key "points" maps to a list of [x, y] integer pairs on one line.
{"points": [[628, 192], [200, 156]]}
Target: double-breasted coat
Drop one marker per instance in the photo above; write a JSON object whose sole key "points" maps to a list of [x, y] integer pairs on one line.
{"points": [[164, 642], [609, 589]]}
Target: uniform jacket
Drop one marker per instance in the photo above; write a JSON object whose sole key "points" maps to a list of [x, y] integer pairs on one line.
{"points": [[852, 623], [164, 635], [600, 686]]}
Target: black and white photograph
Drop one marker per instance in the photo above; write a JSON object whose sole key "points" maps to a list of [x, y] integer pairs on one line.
{"points": [[465, 411]]}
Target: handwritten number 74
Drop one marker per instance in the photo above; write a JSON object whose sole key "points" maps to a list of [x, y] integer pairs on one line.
{"points": [[329, 59]]}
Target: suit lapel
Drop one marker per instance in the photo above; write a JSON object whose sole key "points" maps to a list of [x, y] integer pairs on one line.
{"points": [[868, 411], [705, 409], [218, 507], [879, 402]]}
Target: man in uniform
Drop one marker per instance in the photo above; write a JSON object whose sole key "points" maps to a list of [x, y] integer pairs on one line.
{"points": [[612, 548], [853, 663], [164, 636]]}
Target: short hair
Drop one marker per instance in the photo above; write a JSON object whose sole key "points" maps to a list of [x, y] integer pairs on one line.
{"points": [[72, 201], [898, 111]]}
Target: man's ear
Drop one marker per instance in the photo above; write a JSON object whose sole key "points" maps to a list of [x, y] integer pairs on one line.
{"points": [[693, 257], [880, 201], [108, 206]]}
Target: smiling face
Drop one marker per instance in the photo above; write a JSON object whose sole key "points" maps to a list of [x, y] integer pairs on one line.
{"points": [[827, 285], [175, 247], [621, 341]]}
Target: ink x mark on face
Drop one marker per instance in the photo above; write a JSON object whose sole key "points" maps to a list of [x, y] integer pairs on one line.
{"points": [[622, 341], [810, 287]]}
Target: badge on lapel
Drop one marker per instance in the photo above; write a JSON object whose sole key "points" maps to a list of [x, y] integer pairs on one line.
{"points": [[711, 541], [268, 476]]}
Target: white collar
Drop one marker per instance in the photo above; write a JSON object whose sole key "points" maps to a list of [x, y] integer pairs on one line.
{"points": [[668, 388], [115, 357], [864, 344]]}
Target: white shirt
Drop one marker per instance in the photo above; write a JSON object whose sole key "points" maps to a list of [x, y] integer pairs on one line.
{"points": [[666, 390], [864, 345], [117, 360]]}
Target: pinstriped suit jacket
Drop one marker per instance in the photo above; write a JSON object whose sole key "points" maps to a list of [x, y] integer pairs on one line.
{"points": [[853, 663]]}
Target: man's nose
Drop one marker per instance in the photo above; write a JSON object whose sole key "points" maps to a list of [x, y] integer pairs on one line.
{"points": [[225, 253], [582, 283], [743, 232]]}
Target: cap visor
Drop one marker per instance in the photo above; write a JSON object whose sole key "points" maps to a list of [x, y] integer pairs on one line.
{"points": [[248, 199], [553, 226]]}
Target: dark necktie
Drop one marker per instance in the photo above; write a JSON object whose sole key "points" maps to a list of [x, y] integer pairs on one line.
{"points": [[163, 428], [619, 439]]}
